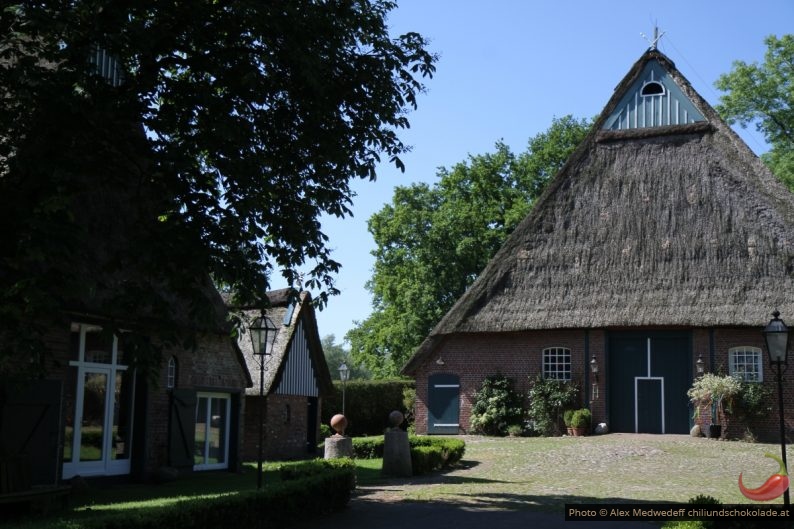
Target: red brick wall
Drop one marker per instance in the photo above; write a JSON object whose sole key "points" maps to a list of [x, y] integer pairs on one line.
{"points": [[213, 366], [516, 355], [286, 419], [519, 356]]}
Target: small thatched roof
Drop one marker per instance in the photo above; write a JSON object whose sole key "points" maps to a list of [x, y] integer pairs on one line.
{"points": [[286, 308], [677, 225]]}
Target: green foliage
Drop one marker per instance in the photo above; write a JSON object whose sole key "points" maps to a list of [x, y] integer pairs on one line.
{"points": [[325, 491], [547, 400], [753, 401], [409, 405], [496, 406], [427, 453], [303, 469], [581, 418], [567, 416], [256, 120], [368, 404], [335, 355], [762, 94], [433, 241], [719, 390]]}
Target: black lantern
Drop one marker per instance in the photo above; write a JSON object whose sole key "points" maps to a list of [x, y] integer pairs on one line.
{"points": [[344, 375], [700, 365], [263, 334], [776, 338], [594, 368]]}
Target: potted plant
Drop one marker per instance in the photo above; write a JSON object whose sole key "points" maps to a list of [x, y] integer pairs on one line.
{"points": [[567, 416], [718, 392], [580, 422]]}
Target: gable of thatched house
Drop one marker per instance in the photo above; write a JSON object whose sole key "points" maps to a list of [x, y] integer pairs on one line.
{"points": [[661, 240], [295, 379]]}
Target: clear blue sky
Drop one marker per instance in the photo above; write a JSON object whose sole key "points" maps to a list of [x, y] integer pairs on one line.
{"points": [[507, 67]]}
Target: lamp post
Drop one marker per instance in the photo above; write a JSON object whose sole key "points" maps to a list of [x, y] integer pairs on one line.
{"points": [[263, 333], [776, 338], [344, 374]]}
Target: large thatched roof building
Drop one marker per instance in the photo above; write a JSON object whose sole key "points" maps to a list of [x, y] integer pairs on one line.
{"points": [[663, 239]]}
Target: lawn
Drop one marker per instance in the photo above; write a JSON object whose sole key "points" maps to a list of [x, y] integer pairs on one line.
{"points": [[510, 473], [544, 473]]}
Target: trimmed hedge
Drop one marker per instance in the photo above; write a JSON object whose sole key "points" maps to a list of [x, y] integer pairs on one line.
{"points": [[297, 499], [303, 469], [368, 404], [427, 453]]}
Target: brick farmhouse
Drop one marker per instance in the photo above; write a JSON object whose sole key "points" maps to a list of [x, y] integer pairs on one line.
{"points": [[662, 240]]}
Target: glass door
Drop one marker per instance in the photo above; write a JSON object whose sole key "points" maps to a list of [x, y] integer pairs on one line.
{"points": [[212, 431]]}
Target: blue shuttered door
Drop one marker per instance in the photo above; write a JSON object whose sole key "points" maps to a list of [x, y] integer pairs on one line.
{"points": [[443, 404]]}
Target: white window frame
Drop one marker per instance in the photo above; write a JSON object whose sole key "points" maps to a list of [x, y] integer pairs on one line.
{"points": [[105, 466], [562, 357], [752, 356], [217, 396]]}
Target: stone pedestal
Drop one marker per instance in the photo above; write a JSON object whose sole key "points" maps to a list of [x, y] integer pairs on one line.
{"points": [[338, 446], [396, 454]]}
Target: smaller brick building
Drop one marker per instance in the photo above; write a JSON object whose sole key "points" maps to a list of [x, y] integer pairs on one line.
{"points": [[296, 378], [663, 240]]}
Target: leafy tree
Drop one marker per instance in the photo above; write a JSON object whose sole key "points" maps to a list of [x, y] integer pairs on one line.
{"points": [[433, 241], [335, 354], [229, 129], [763, 94]]}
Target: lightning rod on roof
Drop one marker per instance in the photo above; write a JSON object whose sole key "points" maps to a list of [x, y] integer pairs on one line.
{"points": [[656, 37]]}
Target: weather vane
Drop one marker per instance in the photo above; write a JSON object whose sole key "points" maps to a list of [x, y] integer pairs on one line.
{"points": [[656, 37]]}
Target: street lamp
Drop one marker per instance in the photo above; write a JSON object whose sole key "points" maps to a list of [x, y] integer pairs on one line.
{"points": [[344, 374], [263, 334], [776, 338]]}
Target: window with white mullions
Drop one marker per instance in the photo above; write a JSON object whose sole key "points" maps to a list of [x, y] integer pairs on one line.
{"points": [[746, 362], [557, 363]]}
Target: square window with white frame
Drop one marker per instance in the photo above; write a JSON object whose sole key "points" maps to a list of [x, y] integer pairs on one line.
{"points": [[557, 363], [746, 363]]}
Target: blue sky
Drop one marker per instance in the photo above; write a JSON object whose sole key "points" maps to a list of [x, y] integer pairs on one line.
{"points": [[507, 67]]}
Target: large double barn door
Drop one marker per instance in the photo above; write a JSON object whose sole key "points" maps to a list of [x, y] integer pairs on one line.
{"points": [[649, 374]]}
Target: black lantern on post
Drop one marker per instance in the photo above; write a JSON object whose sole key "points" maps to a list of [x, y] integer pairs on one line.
{"points": [[263, 334], [776, 338], [344, 374]]}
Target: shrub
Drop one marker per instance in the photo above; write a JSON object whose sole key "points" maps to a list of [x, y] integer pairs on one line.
{"points": [[567, 416], [302, 469], [289, 501], [581, 418], [496, 406], [445, 451], [368, 404], [547, 400]]}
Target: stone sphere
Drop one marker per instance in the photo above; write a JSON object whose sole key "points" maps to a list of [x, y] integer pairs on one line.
{"points": [[339, 423], [396, 418]]}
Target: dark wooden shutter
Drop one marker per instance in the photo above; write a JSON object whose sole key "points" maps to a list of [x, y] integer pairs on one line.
{"points": [[182, 428]]}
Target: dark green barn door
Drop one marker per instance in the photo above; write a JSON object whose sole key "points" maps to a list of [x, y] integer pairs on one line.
{"points": [[443, 409], [649, 374]]}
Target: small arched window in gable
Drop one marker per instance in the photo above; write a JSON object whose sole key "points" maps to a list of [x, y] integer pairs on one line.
{"points": [[652, 88], [172, 373]]}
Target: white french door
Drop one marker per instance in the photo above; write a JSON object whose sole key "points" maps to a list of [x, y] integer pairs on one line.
{"points": [[98, 430], [213, 411]]}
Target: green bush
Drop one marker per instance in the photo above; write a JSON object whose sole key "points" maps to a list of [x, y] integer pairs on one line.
{"points": [[432, 453], [293, 500], [496, 406], [302, 469], [368, 447], [581, 418], [368, 404], [547, 400]]}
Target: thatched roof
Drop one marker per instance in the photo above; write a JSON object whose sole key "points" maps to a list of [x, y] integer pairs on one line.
{"points": [[286, 309], [679, 225]]}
